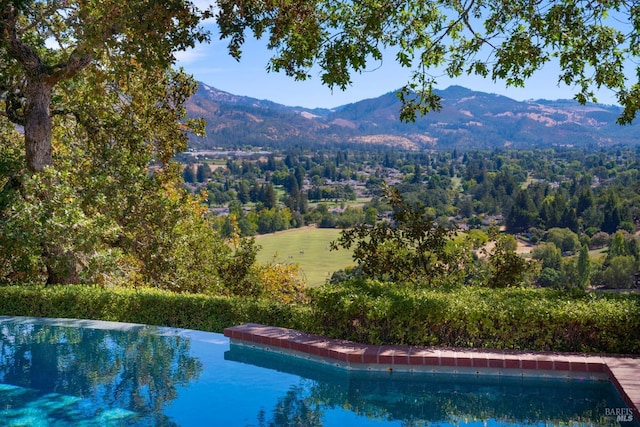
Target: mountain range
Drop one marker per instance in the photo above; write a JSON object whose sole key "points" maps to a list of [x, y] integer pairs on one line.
{"points": [[468, 119]]}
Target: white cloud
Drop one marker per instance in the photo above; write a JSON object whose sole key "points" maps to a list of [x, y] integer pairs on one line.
{"points": [[186, 57]]}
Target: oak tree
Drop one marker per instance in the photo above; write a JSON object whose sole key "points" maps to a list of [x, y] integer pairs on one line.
{"points": [[90, 86], [46, 42]]}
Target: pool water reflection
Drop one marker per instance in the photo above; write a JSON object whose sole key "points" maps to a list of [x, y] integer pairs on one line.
{"points": [[85, 373]]}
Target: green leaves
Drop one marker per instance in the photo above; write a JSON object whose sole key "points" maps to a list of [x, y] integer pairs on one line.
{"points": [[592, 42], [410, 247], [150, 306], [112, 209], [513, 318], [508, 269]]}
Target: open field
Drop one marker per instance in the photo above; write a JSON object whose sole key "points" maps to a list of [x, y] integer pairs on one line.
{"points": [[358, 203], [308, 247]]}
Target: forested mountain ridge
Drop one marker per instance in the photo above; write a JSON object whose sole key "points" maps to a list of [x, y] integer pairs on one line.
{"points": [[468, 119]]}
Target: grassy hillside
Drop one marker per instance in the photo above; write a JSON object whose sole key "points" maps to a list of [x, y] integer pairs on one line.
{"points": [[307, 246]]}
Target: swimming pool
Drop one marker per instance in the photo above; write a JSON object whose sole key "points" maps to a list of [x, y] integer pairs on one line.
{"points": [[86, 373]]}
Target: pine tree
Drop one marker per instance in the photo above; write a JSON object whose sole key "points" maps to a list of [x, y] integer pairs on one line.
{"points": [[584, 267], [268, 196], [203, 172], [617, 247], [612, 213], [188, 175]]}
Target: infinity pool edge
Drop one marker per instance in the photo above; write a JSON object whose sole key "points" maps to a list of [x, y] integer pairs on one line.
{"points": [[622, 372]]}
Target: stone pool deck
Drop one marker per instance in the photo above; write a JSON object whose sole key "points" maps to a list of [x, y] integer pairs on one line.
{"points": [[623, 372]]}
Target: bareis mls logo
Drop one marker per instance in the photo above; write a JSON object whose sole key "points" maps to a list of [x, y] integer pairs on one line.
{"points": [[621, 414]]}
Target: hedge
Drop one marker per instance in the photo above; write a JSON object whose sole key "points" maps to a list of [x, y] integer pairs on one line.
{"points": [[148, 306], [473, 317], [369, 312]]}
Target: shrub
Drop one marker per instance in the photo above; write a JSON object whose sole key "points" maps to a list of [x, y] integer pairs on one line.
{"points": [[149, 306], [565, 239], [620, 272], [550, 277], [410, 247], [549, 254], [511, 318], [282, 282], [600, 240], [369, 311]]}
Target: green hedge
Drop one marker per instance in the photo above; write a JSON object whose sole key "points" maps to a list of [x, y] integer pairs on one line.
{"points": [[148, 306], [514, 318], [369, 312]]}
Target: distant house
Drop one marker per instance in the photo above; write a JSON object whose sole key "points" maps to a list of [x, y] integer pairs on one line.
{"points": [[492, 220]]}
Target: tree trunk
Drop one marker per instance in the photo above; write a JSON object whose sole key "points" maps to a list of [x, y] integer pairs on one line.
{"points": [[35, 116], [62, 267], [61, 264], [37, 125]]}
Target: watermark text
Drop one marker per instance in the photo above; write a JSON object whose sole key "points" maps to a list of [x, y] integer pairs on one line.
{"points": [[621, 414]]}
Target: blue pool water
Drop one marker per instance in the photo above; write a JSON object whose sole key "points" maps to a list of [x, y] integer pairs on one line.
{"points": [[85, 373]]}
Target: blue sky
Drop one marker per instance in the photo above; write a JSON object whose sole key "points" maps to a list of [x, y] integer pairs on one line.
{"points": [[211, 64]]}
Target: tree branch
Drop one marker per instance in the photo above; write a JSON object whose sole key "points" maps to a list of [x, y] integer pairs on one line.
{"points": [[30, 60], [16, 47], [76, 63]]}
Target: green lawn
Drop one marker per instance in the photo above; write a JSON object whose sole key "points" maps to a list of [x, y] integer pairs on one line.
{"points": [[308, 247]]}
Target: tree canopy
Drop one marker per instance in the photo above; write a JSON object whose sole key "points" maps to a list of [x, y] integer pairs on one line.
{"points": [[594, 43], [88, 190], [44, 43]]}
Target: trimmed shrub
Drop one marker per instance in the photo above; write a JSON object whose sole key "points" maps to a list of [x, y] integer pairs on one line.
{"points": [[149, 306], [369, 311], [513, 318]]}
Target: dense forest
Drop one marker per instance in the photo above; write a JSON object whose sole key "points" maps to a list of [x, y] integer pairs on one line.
{"points": [[563, 203]]}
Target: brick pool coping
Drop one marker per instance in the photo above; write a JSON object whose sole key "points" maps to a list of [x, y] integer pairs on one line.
{"points": [[623, 372]]}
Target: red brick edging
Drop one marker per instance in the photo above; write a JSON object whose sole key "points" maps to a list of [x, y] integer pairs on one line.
{"points": [[623, 372]]}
